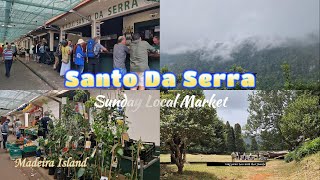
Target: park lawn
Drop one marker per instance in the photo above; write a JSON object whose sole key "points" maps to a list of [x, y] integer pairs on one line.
{"points": [[202, 158], [309, 168]]}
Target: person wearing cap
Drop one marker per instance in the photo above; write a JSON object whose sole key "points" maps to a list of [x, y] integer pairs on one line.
{"points": [[79, 56], [5, 132]]}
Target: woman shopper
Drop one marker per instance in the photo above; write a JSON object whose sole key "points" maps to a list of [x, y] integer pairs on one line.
{"points": [[66, 55], [31, 52], [79, 56], [27, 55]]}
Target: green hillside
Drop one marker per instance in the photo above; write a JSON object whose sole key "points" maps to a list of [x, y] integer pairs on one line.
{"points": [[303, 60]]}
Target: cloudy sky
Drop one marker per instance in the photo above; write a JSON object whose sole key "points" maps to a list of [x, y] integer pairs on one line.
{"points": [[186, 22], [237, 105]]}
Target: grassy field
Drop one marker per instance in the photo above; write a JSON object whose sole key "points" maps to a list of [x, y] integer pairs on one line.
{"points": [[309, 169], [201, 158]]}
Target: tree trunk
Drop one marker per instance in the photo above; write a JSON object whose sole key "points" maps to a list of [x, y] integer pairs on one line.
{"points": [[177, 153], [180, 169]]}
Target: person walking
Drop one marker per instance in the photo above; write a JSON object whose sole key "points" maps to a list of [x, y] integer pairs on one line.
{"points": [[8, 59], [66, 56], [1, 138], [27, 55], [139, 58], [120, 52], [233, 156], [57, 54], [18, 125], [31, 53], [79, 56], [37, 52], [14, 50], [1, 50], [43, 125], [42, 52], [94, 49], [5, 132]]}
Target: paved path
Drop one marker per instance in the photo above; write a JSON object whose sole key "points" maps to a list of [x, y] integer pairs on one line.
{"points": [[8, 171], [21, 78], [46, 73]]}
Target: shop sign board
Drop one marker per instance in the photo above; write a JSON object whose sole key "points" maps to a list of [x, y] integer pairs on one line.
{"points": [[114, 8], [98, 27]]}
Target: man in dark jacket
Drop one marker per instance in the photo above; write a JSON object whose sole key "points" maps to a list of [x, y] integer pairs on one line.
{"points": [[5, 132], [43, 125]]}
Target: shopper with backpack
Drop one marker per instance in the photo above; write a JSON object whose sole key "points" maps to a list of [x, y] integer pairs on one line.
{"points": [[94, 49], [79, 56]]}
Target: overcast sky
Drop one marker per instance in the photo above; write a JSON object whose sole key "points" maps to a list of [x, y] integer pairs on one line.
{"points": [[237, 105], [190, 21]]}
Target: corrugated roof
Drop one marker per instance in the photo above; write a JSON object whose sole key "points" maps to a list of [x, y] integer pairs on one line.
{"points": [[18, 17], [12, 99]]}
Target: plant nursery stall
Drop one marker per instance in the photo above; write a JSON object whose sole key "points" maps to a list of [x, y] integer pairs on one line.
{"points": [[80, 132]]}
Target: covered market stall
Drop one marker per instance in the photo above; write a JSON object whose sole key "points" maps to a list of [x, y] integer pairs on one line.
{"points": [[109, 20], [110, 139]]}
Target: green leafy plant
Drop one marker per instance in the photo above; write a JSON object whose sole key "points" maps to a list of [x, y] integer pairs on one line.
{"points": [[308, 148]]}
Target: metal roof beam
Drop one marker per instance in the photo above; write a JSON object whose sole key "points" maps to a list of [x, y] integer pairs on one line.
{"points": [[7, 15], [44, 14], [36, 5], [18, 23], [22, 28]]}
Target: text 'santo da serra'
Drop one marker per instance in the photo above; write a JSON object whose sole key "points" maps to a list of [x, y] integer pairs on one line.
{"points": [[47, 163], [154, 79]]}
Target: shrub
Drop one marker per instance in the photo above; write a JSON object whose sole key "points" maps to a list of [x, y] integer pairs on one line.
{"points": [[308, 148]]}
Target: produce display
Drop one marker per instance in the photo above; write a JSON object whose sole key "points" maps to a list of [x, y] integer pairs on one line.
{"points": [[31, 131], [20, 141]]}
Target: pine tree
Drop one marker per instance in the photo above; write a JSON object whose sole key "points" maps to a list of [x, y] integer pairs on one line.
{"points": [[231, 146], [239, 142]]}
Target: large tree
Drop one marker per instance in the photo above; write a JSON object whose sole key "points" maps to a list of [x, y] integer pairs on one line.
{"points": [[239, 142], [301, 119], [266, 110], [184, 127], [231, 144]]}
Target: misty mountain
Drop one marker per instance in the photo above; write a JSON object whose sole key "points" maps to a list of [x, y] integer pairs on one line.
{"points": [[253, 55]]}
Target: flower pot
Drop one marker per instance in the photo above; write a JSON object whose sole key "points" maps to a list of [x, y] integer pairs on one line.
{"points": [[52, 170], [68, 176], [60, 174]]}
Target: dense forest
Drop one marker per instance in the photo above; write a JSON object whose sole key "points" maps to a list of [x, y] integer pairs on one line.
{"points": [[266, 62]]}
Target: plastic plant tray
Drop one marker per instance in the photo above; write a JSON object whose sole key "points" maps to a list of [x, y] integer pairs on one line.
{"points": [[15, 153]]}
